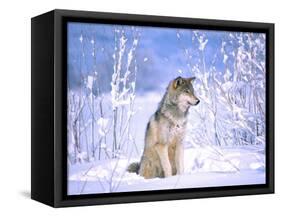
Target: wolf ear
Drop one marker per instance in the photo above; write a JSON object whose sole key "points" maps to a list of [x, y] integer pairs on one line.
{"points": [[191, 79], [177, 82]]}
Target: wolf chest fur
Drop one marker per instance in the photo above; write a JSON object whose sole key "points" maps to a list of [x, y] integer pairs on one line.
{"points": [[165, 132]]}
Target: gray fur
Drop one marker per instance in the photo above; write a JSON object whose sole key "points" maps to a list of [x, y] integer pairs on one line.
{"points": [[163, 151]]}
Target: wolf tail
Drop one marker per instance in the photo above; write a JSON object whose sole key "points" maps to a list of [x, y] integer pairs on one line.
{"points": [[134, 167]]}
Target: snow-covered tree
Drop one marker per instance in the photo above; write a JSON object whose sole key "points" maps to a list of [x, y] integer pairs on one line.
{"points": [[233, 100], [96, 118]]}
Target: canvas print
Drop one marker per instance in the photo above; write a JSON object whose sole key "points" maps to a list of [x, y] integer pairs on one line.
{"points": [[154, 108]]}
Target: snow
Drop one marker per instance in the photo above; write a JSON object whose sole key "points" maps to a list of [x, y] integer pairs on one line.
{"points": [[202, 169], [102, 123], [180, 71], [90, 82], [202, 43], [225, 57], [223, 46], [81, 38], [225, 134], [122, 97], [103, 145], [205, 165]]}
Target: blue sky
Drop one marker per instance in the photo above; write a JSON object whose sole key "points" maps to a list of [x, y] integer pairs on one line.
{"points": [[160, 55]]}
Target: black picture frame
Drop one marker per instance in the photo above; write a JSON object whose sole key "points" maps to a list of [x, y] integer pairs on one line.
{"points": [[49, 134]]}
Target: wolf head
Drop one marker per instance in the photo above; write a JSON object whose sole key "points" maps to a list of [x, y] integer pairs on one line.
{"points": [[182, 93]]}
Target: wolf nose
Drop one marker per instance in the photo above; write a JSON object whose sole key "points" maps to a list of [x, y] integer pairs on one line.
{"points": [[197, 102]]}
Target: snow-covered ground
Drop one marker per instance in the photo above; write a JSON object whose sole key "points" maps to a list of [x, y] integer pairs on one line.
{"points": [[204, 167], [206, 164]]}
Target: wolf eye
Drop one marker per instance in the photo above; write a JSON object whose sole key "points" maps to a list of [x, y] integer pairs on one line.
{"points": [[187, 91]]}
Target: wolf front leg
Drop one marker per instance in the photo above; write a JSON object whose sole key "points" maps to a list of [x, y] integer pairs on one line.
{"points": [[179, 158], [162, 152]]}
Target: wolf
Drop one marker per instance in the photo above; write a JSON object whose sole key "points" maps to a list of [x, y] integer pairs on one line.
{"points": [[163, 153]]}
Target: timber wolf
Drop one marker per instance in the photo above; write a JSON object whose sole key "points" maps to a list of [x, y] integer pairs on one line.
{"points": [[165, 131]]}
